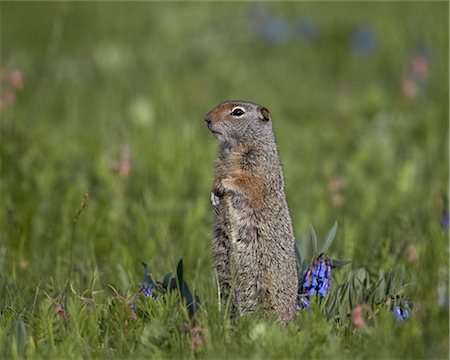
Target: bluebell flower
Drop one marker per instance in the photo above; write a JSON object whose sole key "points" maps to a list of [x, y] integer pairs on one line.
{"points": [[363, 41], [147, 290], [307, 28], [322, 267], [402, 313], [303, 303], [306, 282], [274, 29], [442, 298], [445, 220], [318, 277], [323, 288]]}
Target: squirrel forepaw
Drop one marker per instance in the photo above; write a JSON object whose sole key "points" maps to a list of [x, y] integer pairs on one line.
{"points": [[215, 201]]}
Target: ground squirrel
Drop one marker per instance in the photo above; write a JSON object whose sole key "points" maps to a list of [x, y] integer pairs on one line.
{"points": [[254, 246]]}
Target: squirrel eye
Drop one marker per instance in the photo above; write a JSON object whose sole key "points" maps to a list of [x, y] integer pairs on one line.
{"points": [[237, 111]]}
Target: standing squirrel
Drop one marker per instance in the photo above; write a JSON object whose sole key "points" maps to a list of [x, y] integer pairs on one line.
{"points": [[254, 246]]}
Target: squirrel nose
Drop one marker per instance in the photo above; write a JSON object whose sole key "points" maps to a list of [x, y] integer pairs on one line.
{"points": [[208, 121]]}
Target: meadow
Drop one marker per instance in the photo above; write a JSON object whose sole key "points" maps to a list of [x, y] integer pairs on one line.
{"points": [[106, 162]]}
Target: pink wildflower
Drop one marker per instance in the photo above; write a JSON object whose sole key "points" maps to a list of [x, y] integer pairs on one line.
{"points": [[336, 183], [125, 163], [409, 89], [357, 318], [419, 67], [125, 168], [412, 256], [198, 339], [16, 79], [59, 310], [197, 342]]}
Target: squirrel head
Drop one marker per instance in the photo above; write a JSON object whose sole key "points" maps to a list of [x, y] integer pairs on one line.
{"points": [[239, 122]]}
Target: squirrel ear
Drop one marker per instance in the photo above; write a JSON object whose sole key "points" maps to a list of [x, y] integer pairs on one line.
{"points": [[265, 114]]}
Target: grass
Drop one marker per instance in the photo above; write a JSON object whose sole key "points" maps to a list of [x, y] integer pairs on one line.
{"points": [[359, 97]]}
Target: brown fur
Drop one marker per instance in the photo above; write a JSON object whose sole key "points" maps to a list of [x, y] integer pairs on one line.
{"points": [[253, 238]]}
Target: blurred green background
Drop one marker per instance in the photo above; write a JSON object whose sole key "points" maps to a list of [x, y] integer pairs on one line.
{"points": [[109, 98]]}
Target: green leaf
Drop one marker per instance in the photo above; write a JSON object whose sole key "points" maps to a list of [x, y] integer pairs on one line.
{"points": [[313, 238], [342, 313], [186, 293], [299, 264], [123, 279], [361, 274], [298, 255], [170, 283], [380, 293], [155, 333], [340, 262], [345, 296], [352, 294], [147, 277], [329, 238], [21, 338], [389, 283], [166, 280], [331, 305], [180, 271]]}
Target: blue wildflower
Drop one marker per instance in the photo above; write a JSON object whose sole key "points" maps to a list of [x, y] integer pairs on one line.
{"points": [[275, 30], [363, 41], [399, 314], [307, 28], [323, 288], [445, 220], [318, 277], [147, 290], [402, 313], [442, 294], [322, 268], [303, 303], [307, 279]]}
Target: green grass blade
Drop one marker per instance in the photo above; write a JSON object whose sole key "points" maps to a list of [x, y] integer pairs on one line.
{"points": [[329, 238], [313, 238]]}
